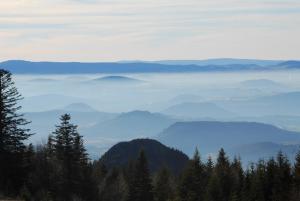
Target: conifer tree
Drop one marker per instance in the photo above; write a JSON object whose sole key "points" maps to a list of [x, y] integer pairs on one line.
{"points": [[163, 189], [12, 136], [114, 187], [283, 178], [140, 187], [70, 156], [213, 189], [209, 166], [271, 167], [296, 178], [258, 182], [191, 187], [223, 173], [237, 174]]}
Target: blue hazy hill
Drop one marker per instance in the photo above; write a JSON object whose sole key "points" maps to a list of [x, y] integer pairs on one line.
{"points": [[278, 104], [221, 61], [28, 67], [198, 110], [264, 150], [290, 64], [130, 125], [209, 136], [116, 78]]}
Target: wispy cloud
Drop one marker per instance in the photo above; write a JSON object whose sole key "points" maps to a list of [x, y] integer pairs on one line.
{"points": [[96, 30]]}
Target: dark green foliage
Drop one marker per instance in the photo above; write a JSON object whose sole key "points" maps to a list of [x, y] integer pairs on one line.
{"points": [[237, 177], [158, 155], [192, 183], [61, 169], [13, 162], [140, 187], [164, 189], [283, 178], [114, 186], [221, 182], [71, 160], [296, 177]]}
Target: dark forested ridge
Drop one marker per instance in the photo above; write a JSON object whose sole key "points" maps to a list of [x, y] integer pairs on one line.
{"points": [[158, 155], [60, 169]]}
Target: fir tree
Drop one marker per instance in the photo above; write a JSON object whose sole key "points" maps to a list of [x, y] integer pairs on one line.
{"points": [[70, 157], [114, 187], [223, 173], [191, 187], [209, 166], [140, 187], [296, 178], [283, 178], [12, 136], [163, 189], [237, 174]]}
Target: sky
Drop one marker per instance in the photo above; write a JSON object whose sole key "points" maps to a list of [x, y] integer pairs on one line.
{"points": [[113, 30]]}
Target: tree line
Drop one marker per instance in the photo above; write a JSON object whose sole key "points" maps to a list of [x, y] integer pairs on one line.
{"points": [[60, 169]]}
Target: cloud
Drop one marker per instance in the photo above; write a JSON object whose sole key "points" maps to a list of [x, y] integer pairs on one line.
{"points": [[146, 29]]}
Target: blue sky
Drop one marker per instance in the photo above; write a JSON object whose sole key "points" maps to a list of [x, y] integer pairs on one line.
{"points": [[110, 30]]}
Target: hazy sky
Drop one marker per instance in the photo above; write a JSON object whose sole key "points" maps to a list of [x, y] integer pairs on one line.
{"points": [[108, 30]]}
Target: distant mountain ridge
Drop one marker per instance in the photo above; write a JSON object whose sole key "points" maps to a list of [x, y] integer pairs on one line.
{"points": [[115, 78], [220, 61], [79, 107], [264, 150], [282, 103], [197, 110], [260, 83], [134, 124], [28, 67], [209, 136]]}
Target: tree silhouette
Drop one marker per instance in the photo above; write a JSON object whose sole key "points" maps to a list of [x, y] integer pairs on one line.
{"points": [[12, 136], [140, 187]]}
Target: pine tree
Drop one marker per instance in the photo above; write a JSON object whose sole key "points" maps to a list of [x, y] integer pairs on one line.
{"points": [[296, 178], [41, 181], [191, 187], [258, 188], [237, 174], [114, 187], [209, 166], [140, 187], [71, 158], [271, 167], [12, 136], [163, 189], [246, 186], [213, 189], [223, 173], [283, 178]]}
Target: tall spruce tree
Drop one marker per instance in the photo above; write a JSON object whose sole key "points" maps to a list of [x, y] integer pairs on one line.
{"points": [[140, 187], [223, 173], [283, 178], [191, 187], [71, 158], [163, 188], [237, 174], [12, 136], [296, 178]]}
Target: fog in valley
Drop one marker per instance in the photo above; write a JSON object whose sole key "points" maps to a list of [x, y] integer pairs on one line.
{"points": [[112, 108]]}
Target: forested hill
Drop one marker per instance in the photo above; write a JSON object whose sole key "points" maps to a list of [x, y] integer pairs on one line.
{"points": [[158, 155], [28, 67]]}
